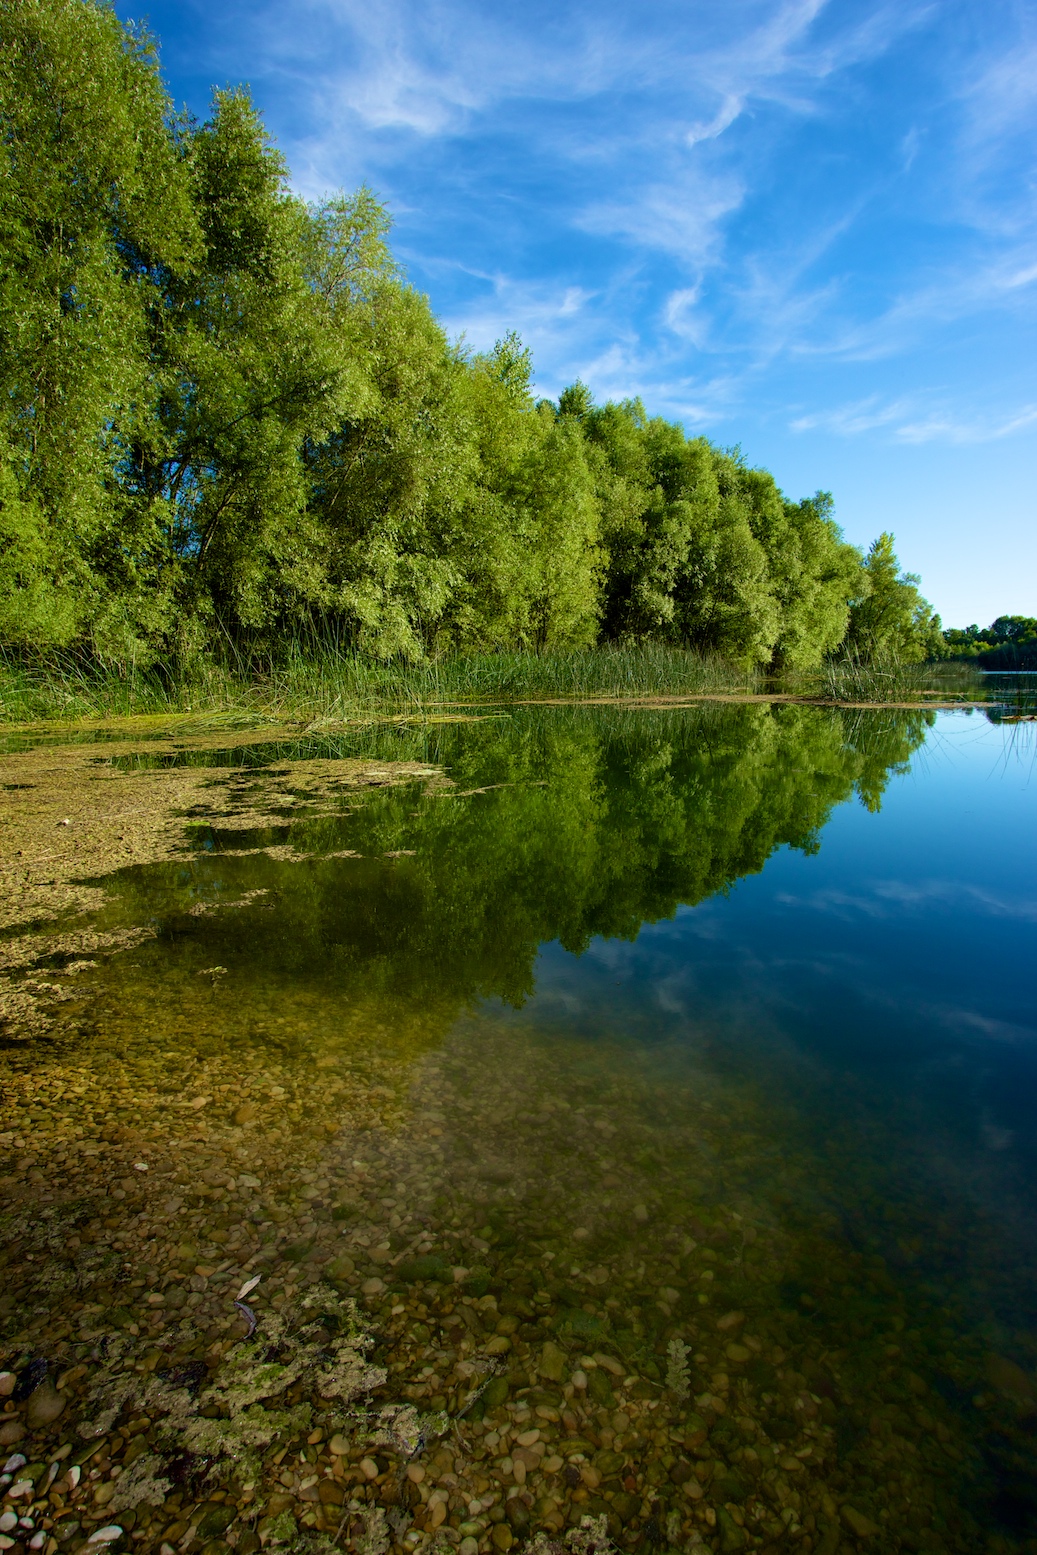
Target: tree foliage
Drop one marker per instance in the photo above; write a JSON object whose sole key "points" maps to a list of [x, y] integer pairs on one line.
{"points": [[890, 621], [227, 417]]}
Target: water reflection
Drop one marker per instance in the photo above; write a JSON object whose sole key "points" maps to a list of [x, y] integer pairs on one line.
{"points": [[640, 1088], [560, 827]]}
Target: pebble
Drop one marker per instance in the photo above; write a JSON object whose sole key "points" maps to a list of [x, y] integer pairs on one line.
{"points": [[44, 1406], [860, 1526], [517, 1514], [553, 1362], [609, 1363]]}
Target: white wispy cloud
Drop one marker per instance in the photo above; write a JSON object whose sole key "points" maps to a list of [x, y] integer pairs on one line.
{"points": [[539, 311], [968, 287], [673, 200], [572, 332], [907, 421], [681, 215], [951, 429]]}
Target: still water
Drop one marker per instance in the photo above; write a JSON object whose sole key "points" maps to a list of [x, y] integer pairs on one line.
{"points": [[663, 1092]]}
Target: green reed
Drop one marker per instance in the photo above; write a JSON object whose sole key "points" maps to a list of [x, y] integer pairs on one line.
{"points": [[313, 680]]}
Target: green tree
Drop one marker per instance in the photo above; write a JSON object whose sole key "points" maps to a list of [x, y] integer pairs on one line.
{"points": [[705, 551], [890, 622], [37, 609], [93, 207], [1012, 629], [530, 569], [814, 574], [226, 415], [250, 359], [388, 482]]}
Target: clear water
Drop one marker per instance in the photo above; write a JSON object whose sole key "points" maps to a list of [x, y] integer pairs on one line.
{"points": [[713, 1027]]}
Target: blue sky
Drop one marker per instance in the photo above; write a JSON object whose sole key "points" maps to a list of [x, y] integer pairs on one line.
{"points": [[805, 227]]}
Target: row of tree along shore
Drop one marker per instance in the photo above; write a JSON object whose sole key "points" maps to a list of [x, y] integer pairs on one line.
{"points": [[229, 422], [1009, 643]]}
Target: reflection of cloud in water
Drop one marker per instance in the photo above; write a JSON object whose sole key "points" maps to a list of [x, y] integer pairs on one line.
{"points": [[885, 895], [994, 1030]]}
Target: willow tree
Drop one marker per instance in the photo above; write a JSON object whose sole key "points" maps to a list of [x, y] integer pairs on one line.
{"points": [[94, 208], [890, 622], [703, 550], [534, 519], [251, 357]]}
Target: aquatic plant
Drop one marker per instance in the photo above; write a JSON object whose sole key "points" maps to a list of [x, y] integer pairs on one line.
{"points": [[678, 1379], [292, 1345], [235, 1440], [369, 1532], [142, 1484], [590, 1538]]}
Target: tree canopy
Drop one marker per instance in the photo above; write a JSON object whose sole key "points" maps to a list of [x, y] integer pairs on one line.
{"points": [[227, 417]]}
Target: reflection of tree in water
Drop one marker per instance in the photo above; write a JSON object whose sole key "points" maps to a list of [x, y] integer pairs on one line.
{"points": [[605, 821]]}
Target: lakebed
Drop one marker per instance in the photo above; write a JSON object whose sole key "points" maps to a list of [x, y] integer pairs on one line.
{"points": [[570, 1100]]}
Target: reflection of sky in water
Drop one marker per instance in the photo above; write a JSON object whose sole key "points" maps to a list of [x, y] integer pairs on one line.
{"points": [[890, 973]]}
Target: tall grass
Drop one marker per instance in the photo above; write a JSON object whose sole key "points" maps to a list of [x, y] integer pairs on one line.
{"points": [[317, 682], [312, 681], [849, 680], [339, 684]]}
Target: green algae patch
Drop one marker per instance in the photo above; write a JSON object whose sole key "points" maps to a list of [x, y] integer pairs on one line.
{"points": [[73, 816]]}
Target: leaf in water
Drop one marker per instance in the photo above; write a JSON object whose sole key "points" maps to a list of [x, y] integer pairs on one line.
{"points": [[248, 1285]]}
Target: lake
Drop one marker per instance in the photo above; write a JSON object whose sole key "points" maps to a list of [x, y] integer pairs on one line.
{"points": [[658, 1083]]}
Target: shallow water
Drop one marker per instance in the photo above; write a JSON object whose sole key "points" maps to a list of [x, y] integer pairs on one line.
{"points": [[673, 1073]]}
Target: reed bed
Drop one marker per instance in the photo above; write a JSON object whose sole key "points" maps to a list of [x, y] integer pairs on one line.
{"points": [[310, 681]]}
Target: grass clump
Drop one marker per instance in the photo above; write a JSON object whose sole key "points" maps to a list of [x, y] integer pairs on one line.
{"points": [[848, 679]]}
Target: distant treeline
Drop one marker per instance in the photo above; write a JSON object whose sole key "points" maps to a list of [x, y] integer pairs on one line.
{"points": [[227, 420], [1008, 643]]}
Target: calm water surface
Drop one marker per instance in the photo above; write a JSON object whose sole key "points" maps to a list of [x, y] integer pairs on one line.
{"points": [[714, 1027]]}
